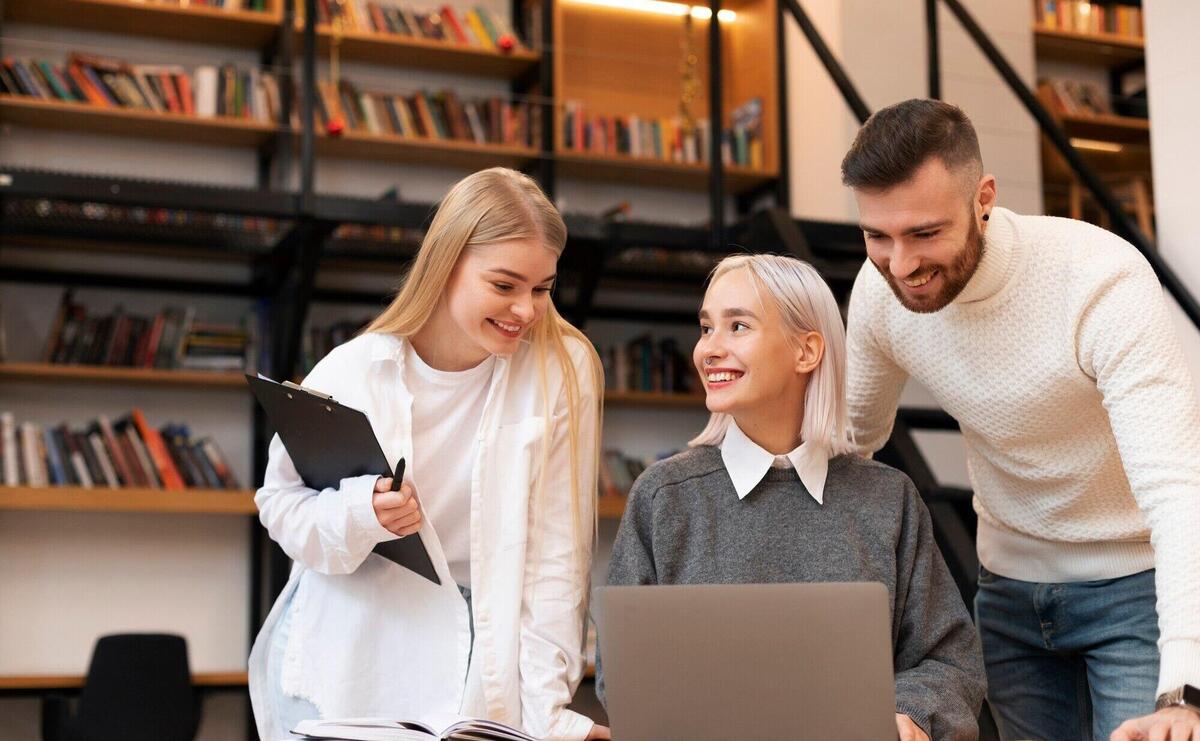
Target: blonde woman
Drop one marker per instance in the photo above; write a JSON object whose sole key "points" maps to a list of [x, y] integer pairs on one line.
{"points": [[768, 491], [493, 401]]}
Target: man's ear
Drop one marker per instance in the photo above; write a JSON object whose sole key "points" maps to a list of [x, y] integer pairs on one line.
{"points": [[809, 351], [985, 197]]}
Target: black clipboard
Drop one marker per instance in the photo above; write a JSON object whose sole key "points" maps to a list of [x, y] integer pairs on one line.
{"points": [[329, 442]]}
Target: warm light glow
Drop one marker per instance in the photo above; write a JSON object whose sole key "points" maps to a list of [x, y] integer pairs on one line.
{"points": [[1096, 146], [663, 8]]}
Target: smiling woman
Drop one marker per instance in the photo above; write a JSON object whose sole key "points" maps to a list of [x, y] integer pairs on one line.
{"points": [[493, 399]]}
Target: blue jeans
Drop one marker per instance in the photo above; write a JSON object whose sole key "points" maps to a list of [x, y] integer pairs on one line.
{"points": [[1068, 661]]}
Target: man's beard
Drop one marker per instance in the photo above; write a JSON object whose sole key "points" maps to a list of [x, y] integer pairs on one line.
{"points": [[954, 277]]}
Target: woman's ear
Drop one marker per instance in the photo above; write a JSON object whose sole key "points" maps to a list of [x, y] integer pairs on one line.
{"points": [[809, 352]]}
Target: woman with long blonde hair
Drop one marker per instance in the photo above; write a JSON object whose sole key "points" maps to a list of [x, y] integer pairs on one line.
{"points": [[493, 400]]}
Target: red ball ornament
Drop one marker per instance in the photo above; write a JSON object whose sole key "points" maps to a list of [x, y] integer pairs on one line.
{"points": [[506, 42], [335, 127]]}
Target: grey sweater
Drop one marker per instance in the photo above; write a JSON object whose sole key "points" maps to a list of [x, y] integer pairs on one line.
{"points": [[684, 524]]}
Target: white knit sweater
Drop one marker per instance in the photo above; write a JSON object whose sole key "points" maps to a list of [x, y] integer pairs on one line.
{"points": [[1060, 363]]}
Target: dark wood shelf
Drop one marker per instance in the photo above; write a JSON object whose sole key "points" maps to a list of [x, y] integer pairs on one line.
{"points": [[1109, 128], [75, 681], [610, 507], [430, 54], [1109, 50], [55, 373], [185, 23], [654, 399], [157, 501], [54, 114], [423, 151], [644, 171]]}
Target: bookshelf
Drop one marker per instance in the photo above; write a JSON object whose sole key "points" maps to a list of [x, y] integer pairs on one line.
{"points": [[182, 22], [56, 373], [1106, 49], [424, 150], [150, 501], [626, 168], [54, 114], [430, 54], [75, 681]]}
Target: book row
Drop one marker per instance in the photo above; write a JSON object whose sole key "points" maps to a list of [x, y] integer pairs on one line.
{"points": [[172, 338], [206, 91], [646, 364], [1083, 16], [440, 115], [476, 26], [671, 139], [105, 454]]}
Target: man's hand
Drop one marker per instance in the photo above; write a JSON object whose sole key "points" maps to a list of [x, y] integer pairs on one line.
{"points": [[909, 731], [1168, 724], [599, 733], [397, 511]]}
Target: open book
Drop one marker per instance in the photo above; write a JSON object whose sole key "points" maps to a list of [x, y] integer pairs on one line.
{"points": [[437, 726]]}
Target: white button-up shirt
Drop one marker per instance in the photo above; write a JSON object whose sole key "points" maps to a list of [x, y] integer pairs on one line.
{"points": [[368, 637], [747, 463]]}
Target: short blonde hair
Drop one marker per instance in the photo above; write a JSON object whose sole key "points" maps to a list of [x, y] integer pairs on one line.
{"points": [[806, 304]]}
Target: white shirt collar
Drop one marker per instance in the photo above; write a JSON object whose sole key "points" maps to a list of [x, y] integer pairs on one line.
{"points": [[747, 463]]}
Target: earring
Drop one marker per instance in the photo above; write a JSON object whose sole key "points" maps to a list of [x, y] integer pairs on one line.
{"points": [[708, 361], [985, 217]]}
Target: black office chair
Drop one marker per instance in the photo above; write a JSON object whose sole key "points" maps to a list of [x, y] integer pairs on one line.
{"points": [[138, 688]]}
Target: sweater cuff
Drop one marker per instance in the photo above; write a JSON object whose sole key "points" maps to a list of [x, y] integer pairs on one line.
{"points": [[1180, 665], [920, 717]]}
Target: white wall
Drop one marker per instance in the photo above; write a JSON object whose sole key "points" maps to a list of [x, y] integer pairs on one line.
{"points": [[1172, 66]]}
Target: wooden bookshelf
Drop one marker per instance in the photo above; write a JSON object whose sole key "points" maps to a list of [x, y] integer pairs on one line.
{"points": [[159, 501], [55, 373], [610, 507], [1105, 49], [54, 114], [423, 150], [75, 681], [160, 20], [430, 54], [646, 171], [1110, 128], [654, 399]]}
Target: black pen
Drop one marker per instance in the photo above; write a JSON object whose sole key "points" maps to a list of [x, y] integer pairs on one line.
{"points": [[398, 476]]}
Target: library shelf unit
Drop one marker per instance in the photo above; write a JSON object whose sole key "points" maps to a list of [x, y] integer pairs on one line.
{"points": [[149, 501], [424, 150], [55, 114], [1103, 49], [180, 21], [430, 54], [616, 62], [158, 377], [48, 682]]}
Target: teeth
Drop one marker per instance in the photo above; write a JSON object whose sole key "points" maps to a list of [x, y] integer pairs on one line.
{"points": [[508, 327], [718, 377], [918, 282]]}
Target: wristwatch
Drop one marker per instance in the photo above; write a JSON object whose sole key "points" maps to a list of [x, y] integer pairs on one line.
{"points": [[1186, 696]]}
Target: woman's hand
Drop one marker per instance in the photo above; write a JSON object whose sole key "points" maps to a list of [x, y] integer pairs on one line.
{"points": [[909, 730], [600, 732], [397, 511]]}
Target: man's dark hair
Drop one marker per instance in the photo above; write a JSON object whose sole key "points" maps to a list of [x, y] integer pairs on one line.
{"points": [[897, 140]]}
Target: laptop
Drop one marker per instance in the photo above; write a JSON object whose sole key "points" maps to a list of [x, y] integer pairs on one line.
{"points": [[748, 661]]}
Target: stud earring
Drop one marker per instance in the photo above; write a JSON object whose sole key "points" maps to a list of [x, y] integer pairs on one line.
{"points": [[985, 217]]}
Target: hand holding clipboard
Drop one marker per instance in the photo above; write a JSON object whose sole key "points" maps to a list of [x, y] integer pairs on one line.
{"points": [[329, 442], [400, 514]]}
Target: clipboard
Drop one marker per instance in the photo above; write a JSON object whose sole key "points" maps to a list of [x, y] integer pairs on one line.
{"points": [[329, 442]]}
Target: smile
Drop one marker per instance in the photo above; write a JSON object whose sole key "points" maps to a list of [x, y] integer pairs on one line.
{"points": [[506, 329], [721, 377], [920, 281]]}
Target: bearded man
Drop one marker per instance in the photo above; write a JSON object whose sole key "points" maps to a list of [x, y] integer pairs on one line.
{"points": [[1049, 341]]}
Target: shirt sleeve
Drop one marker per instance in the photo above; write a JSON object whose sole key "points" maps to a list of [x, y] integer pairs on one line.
{"points": [[632, 561], [1127, 342], [873, 380], [554, 603], [940, 680]]}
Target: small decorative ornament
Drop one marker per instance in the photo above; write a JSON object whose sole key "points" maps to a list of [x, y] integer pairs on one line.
{"points": [[336, 127], [507, 43]]}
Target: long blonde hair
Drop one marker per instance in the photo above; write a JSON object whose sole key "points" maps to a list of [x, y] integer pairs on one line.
{"points": [[484, 208], [806, 305]]}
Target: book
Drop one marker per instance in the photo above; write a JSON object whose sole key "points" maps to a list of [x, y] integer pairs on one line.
{"points": [[436, 726]]}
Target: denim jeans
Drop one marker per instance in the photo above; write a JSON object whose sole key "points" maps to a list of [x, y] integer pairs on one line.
{"points": [[1068, 661]]}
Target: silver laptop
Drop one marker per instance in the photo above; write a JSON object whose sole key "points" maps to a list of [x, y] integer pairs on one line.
{"points": [[748, 661]]}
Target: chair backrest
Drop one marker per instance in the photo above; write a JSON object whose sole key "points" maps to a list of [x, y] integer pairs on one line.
{"points": [[139, 687]]}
